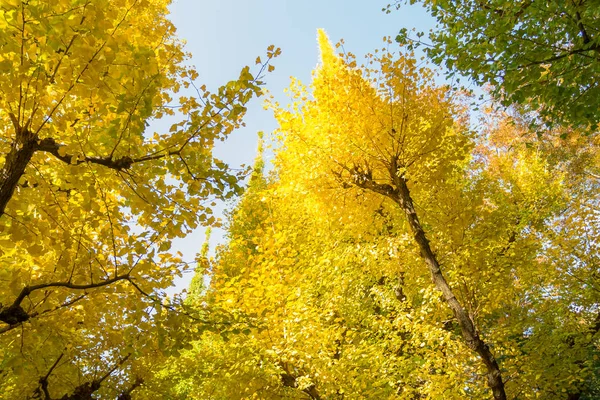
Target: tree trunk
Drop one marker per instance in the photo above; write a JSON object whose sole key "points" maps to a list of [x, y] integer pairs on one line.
{"points": [[403, 199], [401, 196], [16, 161]]}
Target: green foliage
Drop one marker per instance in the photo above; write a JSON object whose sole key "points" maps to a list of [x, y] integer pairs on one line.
{"points": [[543, 56]]}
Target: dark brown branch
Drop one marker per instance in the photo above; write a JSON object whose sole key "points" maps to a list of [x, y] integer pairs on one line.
{"points": [[86, 390], [15, 314], [582, 30], [28, 289], [49, 145], [43, 388], [595, 328], [34, 314], [584, 34]]}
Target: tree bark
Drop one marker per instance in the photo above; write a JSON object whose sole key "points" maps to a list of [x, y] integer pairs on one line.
{"points": [[16, 161], [400, 194], [467, 327]]}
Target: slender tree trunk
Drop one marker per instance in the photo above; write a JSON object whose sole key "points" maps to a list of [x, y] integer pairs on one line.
{"points": [[403, 199], [401, 196]]}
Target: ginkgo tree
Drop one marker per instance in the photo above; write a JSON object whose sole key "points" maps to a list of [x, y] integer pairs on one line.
{"points": [[90, 199], [396, 253]]}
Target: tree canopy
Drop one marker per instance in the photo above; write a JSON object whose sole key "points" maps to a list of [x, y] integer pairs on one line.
{"points": [[393, 253], [543, 56], [90, 199], [399, 246]]}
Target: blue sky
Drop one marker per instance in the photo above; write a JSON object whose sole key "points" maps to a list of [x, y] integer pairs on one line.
{"points": [[225, 35]]}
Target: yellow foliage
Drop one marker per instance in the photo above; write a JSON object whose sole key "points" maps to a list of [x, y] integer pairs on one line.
{"points": [[90, 200], [327, 289]]}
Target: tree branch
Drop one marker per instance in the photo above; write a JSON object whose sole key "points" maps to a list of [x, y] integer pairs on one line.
{"points": [[35, 313], [561, 56], [49, 145], [43, 388], [584, 34], [85, 390], [15, 314]]}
